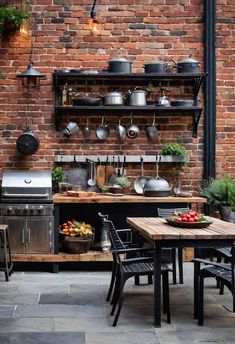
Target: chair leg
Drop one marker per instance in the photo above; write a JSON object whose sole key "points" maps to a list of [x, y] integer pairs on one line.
{"points": [[150, 279], [201, 301], [180, 264], [221, 287], [120, 301], [166, 296], [174, 265], [113, 276], [196, 287], [137, 280]]}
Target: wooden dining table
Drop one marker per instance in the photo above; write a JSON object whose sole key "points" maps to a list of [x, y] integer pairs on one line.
{"points": [[155, 229]]}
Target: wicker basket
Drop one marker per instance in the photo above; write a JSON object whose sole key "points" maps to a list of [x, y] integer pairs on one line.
{"points": [[76, 245]]}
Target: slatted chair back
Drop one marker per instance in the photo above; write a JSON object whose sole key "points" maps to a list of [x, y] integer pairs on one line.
{"points": [[167, 212], [115, 239]]}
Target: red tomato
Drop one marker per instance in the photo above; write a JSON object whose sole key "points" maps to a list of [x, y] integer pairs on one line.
{"points": [[184, 219], [192, 213], [178, 219], [187, 215], [191, 219], [196, 218]]}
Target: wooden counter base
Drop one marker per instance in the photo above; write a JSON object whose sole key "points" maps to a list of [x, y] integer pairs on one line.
{"points": [[90, 256], [101, 198]]}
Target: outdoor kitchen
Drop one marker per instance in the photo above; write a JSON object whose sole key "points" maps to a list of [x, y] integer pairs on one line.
{"points": [[114, 114]]}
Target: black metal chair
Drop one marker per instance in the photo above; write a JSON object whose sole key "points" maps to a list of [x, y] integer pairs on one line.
{"points": [[132, 267], [123, 243], [222, 272], [170, 255]]}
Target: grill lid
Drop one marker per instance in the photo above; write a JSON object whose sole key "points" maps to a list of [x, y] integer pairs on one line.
{"points": [[27, 185]]}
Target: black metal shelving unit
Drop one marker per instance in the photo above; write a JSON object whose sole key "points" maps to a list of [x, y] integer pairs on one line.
{"points": [[72, 78]]}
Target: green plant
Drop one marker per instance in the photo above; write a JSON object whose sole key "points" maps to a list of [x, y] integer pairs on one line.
{"points": [[219, 192], [57, 174], [123, 182], [11, 14], [173, 148]]}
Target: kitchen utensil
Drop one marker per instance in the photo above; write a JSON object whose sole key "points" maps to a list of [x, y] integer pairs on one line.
{"points": [[156, 187], [140, 182], [120, 131], [188, 65], [70, 129], [132, 130], [113, 98], [163, 100], [155, 67], [151, 131], [114, 174], [182, 102], [109, 171], [86, 130], [119, 65], [77, 174], [100, 174], [85, 100], [137, 97], [102, 131], [92, 174], [27, 143]]}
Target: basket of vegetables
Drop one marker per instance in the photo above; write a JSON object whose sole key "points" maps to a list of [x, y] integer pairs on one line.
{"points": [[76, 236]]}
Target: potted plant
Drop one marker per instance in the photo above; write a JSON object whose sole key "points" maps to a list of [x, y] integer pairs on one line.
{"points": [[57, 177], [124, 183], [220, 194], [177, 155], [9, 16]]}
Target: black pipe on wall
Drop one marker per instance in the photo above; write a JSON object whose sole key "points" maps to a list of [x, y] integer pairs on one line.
{"points": [[210, 89]]}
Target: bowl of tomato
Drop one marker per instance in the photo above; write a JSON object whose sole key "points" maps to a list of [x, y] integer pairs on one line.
{"points": [[191, 219]]}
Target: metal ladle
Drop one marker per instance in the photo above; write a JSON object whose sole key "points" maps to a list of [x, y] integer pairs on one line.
{"points": [[86, 130]]}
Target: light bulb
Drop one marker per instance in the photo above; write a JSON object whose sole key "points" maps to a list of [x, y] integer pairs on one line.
{"points": [[94, 26], [25, 27]]}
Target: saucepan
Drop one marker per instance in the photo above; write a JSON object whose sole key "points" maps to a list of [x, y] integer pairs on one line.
{"points": [[132, 130]]}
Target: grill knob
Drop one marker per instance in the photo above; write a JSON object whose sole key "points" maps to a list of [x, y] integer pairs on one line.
{"points": [[40, 211], [9, 211]]}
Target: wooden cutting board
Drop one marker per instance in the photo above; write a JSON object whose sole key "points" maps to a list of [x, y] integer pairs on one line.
{"points": [[109, 172], [100, 175]]}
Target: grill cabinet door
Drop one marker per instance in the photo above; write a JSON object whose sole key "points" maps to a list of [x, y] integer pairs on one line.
{"points": [[40, 236], [17, 233]]}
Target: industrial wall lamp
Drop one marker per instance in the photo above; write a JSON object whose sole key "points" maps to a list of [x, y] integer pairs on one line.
{"points": [[94, 25]]}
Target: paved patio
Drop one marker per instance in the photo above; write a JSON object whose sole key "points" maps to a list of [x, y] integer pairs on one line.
{"points": [[70, 307]]}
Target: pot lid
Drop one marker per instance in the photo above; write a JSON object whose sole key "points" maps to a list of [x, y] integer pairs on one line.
{"points": [[157, 184], [188, 60], [114, 94], [155, 62], [120, 59]]}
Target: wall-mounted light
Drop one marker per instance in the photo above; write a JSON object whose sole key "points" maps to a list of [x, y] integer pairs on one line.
{"points": [[94, 25]]}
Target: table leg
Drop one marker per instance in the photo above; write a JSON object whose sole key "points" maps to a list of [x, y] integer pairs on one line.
{"points": [[157, 285]]}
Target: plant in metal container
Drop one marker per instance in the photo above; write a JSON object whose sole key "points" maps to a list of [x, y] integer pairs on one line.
{"points": [[123, 182], [220, 194]]}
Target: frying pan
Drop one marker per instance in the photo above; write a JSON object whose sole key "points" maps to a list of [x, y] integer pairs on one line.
{"points": [[27, 143], [152, 132], [102, 131], [140, 182]]}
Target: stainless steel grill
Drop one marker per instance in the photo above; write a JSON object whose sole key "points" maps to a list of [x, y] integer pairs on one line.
{"points": [[26, 206]]}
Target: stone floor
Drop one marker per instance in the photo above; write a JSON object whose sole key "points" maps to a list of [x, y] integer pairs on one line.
{"points": [[70, 307]]}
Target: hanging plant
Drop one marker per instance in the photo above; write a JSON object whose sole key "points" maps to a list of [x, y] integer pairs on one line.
{"points": [[10, 15]]}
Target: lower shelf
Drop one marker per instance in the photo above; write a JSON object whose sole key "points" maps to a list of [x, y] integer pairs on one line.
{"points": [[90, 256]]}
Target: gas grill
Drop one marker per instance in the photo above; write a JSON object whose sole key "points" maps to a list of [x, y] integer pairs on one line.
{"points": [[27, 207]]}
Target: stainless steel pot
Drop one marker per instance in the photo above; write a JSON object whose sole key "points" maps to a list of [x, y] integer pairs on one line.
{"points": [[120, 65], [157, 187], [137, 97], [155, 67], [113, 98]]}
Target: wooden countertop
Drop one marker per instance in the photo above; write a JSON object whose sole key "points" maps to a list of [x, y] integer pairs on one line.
{"points": [[102, 198]]}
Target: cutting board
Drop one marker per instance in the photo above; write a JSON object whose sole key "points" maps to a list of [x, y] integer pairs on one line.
{"points": [[100, 175]]}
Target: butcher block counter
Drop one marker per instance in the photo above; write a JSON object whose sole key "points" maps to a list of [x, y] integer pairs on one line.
{"points": [[102, 198]]}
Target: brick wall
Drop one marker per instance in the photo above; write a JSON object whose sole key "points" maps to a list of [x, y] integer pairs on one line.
{"points": [[141, 31]]}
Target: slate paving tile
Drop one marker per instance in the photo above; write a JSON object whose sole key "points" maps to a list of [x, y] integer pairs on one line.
{"points": [[26, 325], [45, 311], [12, 298], [86, 324], [71, 299], [7, 311], [44, 338], [131, 337], [5, 338]]}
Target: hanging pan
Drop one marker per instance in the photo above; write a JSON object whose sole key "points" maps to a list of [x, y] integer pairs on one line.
{"points": [[27, 143]]}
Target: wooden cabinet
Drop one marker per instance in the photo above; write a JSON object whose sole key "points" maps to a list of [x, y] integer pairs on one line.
{"points": [[87, 82]]}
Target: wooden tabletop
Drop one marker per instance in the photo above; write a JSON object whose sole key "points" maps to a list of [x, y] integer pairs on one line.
{"points": [[156, 228], [102, 198]]}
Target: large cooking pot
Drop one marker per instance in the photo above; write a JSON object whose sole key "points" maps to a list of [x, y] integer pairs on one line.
{"points": [[188, 65], [157, 187], [113, 98], [137, 97], [85, 100], [120, 65], [155, 67], [27, 143]]}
